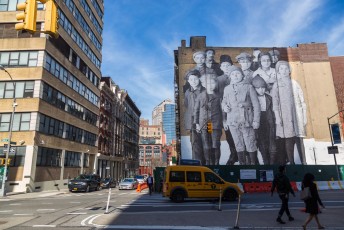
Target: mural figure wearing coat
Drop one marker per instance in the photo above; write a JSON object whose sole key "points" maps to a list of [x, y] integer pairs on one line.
{"points": [[266, 133], [208, 109], [285, 113], [265, 70], [192, 78], [240, 102]]}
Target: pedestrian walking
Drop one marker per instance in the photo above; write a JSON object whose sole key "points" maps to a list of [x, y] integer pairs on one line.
{"points": [[282, 184], [150, 182], [312, 203]]}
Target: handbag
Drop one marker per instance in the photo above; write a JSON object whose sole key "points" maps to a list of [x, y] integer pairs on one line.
{"points": [[305, 194]]}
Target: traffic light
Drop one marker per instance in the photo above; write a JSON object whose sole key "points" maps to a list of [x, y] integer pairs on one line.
{"points": [[51, 19], [28, 17], [210, 127], [3, 160]]}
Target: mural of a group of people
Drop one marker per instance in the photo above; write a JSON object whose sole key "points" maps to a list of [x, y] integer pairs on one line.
{"points": [[257, 105]]}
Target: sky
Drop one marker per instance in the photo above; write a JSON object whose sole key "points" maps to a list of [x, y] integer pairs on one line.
{"points": [[139, 36]]}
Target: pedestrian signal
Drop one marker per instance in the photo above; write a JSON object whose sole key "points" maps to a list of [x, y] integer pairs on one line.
{"points": [[3, 160]]}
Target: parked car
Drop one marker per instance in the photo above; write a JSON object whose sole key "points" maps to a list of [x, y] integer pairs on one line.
{"points": [[84, 182], [108, 182], [128, 183], [140, 179]]}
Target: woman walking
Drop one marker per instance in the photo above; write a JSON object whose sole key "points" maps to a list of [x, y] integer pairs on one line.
{"points": [[312, 203]]}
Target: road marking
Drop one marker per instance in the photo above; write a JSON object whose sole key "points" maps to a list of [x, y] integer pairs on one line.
{"points": [[28, 214], [74, 202], [6, 211], [43, 210], [47, 203], [44, 226], [83, 222], [77, 213], [16, 204]]}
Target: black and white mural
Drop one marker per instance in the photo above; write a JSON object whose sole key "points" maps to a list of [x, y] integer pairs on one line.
{"points": [[258, 112]]}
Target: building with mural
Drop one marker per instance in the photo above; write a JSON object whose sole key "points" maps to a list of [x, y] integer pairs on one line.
{"points": [[265, 105]]}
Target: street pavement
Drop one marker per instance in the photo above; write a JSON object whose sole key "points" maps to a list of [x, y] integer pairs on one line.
{"points": [[252, 215]]}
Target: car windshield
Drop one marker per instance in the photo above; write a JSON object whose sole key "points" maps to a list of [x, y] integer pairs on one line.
{"points": [[83, 177], [106, 179], [128, 180]]}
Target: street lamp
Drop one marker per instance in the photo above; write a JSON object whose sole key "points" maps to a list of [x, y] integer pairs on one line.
{"points": [[4, 177]]}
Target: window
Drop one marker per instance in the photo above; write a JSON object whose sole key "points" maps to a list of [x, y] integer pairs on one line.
{"points": [[48, 157], [72, 159], [24, 89], [50, 126], [19, 58], [193, 176], [211, 177], [21, 122], [86, 160], [177, 176], [17, 156]]}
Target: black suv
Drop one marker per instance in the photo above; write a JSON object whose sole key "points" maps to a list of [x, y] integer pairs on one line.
{"points": [[84, 182]]}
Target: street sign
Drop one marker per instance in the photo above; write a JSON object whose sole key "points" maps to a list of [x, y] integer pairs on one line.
{"points": [[4, 140], [332, 149]]}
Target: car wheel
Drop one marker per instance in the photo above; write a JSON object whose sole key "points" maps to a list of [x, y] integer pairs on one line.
{"points": [[87, 188], [178, 196], [230, 195], [98, 188]]}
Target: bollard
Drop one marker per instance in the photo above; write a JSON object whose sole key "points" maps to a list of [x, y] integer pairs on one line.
{"points": [[238, 213], [108, 201], [220, 199]]}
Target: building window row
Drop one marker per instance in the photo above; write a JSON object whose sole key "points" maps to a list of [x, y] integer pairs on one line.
{"points": [[11, 5], [51, 126], [48, 157], [77, 15], [75, 59], [65, 76], [59, 100], [19, 58], [96, 6], [21, 122], [69, 28], [23, 89], [16, 155]]}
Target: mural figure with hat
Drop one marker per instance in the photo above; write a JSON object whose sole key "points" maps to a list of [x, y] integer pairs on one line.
{"points": [[224, 80], [240, 103], [266, 133], [193, 79], [265, 70], [211, 63], [245, 61], [208, 109], [287, 117]]}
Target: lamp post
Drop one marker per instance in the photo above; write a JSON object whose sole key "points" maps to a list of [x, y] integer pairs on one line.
{"points": [[4, 178]]}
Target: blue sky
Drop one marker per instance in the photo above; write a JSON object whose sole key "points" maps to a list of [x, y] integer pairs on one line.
{"points": [[139, 36]]}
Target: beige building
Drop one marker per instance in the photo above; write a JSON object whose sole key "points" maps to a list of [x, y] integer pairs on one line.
{"points": [[158, 110], [310, 68], [56, 81]]}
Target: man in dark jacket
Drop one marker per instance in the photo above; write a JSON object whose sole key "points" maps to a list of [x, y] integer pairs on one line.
{"points": [[282, 183]]}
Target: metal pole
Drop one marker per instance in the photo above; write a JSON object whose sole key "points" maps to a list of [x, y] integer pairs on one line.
{"points": [[4, 178], [236, 226], [220, 199], [108, 201]]}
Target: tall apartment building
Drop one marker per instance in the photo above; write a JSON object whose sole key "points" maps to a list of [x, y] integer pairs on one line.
{"points": [[131, 137], [111, 127], [55, 83], [169, 123], [151, 134], [157, 111]]}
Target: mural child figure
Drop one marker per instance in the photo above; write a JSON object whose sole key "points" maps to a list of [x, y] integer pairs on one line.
{"points": [[245, 61], [211, 63], [208, 109], [255, 62], [192, 78], [265, 70], [240, 102], [275, 56], [266, 133], [285, 113], [224, 80]]}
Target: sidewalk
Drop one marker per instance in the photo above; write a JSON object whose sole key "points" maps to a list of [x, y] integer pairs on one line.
{"points": [[20, 195]]}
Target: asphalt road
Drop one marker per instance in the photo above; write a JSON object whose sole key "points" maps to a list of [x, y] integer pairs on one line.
{"points": [[132, 210]]}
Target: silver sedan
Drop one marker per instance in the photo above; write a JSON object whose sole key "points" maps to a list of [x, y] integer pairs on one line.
{"points": [[128, 183]]}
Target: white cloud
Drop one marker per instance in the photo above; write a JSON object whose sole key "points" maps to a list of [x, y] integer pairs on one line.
{"points": [[335, 38]]}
